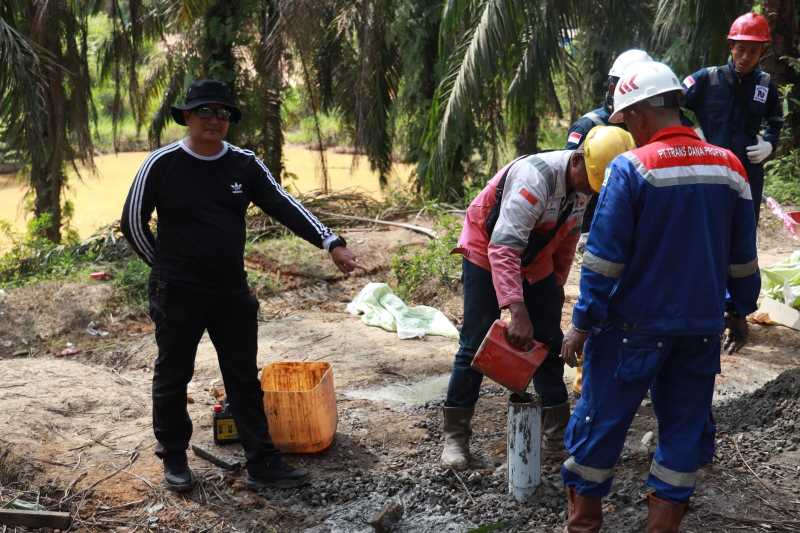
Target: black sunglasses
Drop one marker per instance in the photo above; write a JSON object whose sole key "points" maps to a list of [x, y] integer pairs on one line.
{"points": [[207, 112]]}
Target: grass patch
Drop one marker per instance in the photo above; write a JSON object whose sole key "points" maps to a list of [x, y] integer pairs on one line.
{"points": [[131, 282], [551, 135], [782, 180], [262, 284], [31, 257], [415, 267], [293, 256]]}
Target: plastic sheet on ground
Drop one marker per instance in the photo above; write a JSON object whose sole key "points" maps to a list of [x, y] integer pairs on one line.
{"points": [[781, 281], [381, 307]]}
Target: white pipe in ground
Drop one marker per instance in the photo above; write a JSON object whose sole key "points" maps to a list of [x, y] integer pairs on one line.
{"points": [[524, 445]]}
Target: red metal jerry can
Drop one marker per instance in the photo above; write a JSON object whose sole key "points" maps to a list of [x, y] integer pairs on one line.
{"points": [[507, 365]]}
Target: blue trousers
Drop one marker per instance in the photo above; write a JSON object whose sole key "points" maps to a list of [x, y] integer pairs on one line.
{"points": [[618, 368], [543, 300]]}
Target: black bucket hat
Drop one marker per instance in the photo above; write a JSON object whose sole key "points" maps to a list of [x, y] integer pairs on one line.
{"points": [[206, 92]]}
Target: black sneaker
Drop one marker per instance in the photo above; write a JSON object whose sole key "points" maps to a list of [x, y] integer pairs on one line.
{"points": [[177, 474], [278, 475]]}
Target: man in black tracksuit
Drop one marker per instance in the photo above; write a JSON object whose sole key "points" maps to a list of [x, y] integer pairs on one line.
{"points": [[201, 187]]}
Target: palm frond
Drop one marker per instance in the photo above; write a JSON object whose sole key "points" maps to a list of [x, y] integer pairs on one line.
{"points": [[80, 98], [376, 88], [542, 58], [21, 101], [171, 78], [135, 30], [702, 24], [181, 15], [477, 61], [325, 180]]}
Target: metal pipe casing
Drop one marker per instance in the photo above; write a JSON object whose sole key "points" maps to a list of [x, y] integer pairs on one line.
{"points": [[524, 445]]}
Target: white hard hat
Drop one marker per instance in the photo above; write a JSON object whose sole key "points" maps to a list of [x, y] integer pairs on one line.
{"points": [[642, 81], [626, 59]]}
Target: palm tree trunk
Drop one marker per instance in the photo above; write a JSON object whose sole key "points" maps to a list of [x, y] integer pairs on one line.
{"points": [[218, 47], [783, 25], [269, 70], [525, 141], [47, 177]]}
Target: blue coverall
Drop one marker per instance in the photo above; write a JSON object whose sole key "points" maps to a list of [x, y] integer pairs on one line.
{"points": [[666, 242], [711, 94]]}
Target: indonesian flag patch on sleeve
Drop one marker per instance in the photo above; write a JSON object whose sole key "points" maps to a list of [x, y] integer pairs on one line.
{"points": [[528, 196], [574, 138], [688, 81]]}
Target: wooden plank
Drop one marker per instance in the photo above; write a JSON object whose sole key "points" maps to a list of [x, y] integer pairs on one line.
{"points": [[19, 517], [219, 459], [780, 313]]}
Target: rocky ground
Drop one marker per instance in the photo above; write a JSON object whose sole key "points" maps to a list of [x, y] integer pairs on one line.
{"points": [[79, 439]]}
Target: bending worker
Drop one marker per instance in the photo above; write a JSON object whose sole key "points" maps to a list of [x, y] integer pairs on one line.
{"points": [[576, 136], [673, 230], [733, 100], [201, 187], [520, 262]]}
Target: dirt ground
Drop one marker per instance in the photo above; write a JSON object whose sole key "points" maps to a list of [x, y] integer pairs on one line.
{"points": [[78, 430]]}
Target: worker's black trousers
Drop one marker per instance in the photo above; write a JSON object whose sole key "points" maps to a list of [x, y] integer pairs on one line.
{"points": [[231, 322]]}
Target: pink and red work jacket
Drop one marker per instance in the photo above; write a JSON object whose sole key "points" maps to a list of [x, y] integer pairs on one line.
{"points": [[534, 196]]}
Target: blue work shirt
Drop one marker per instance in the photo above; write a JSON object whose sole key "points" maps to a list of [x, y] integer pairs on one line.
{"points": [[673, 230], [582, 126], [711, 95], [575, 137]]}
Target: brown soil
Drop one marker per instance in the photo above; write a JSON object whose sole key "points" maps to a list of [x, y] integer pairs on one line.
{"points": [[79, 432]]}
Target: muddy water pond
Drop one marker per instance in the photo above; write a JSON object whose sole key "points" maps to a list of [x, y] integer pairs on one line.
{"points": [[98, 199]]}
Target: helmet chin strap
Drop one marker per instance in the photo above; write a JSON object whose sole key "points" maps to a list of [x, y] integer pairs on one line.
{"points": [[609, 101], [669, 100]]}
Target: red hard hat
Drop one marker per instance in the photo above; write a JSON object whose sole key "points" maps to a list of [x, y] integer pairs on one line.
{"points": [[750, 27]]}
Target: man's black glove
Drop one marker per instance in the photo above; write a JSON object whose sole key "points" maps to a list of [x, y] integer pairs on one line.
{"points": [[736, 334]]}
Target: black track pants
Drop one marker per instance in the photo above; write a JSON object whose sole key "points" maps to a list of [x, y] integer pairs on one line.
{"points": [[231, 321]]}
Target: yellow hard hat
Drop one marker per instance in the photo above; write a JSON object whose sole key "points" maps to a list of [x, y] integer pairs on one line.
{"points": [[602, 144]]}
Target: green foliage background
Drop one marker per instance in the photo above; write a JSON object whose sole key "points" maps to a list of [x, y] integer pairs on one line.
{"points": [[455, 88], [414, 266]]}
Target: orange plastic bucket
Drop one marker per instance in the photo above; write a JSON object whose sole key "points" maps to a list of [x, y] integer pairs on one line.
{"points": [[300, 403], [507, 365]]}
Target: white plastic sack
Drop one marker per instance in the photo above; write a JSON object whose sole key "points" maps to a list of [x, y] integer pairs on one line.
{"points": [[781, 281], [380, 307]]}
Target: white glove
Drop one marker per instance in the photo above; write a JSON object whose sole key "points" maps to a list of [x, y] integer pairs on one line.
{"points": [[582, 243], [760, 151]]}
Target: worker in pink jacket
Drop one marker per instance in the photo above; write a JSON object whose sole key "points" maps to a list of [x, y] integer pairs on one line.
{"points": [[518, 241]]}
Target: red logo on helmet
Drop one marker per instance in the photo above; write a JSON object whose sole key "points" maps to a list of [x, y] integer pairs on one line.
{"points": [[628, 85]]}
